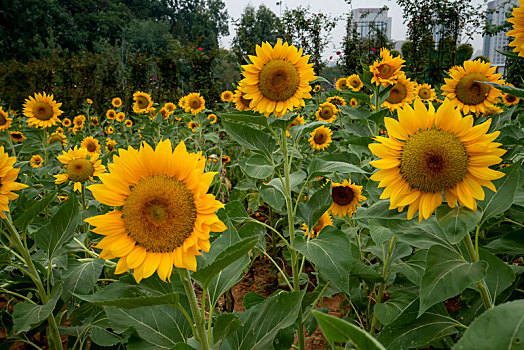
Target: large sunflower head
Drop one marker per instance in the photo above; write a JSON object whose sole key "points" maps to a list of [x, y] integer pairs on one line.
{"points": [[17, 136], [57, 137], [387, 70], [327, 112], [320, 138], [116, 102], [354, 82], [278, 79], [465, 90], [325, 220], [428, 153], [163, 215], [402, 93], [241, 102], [8, 176], [80, 167], [226, 96], [195, 103], [5, 121], [91, 145], [518, 30], [42, 111], [425, 92], [142, 102], [346, 197], [337, 101], [36, 161], [342, 84], [297, 121]]}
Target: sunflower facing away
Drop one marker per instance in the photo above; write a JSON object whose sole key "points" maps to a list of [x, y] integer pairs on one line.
{"points": [[42, 111], [8, 176], [325, 220], [226, 96], [195, 103], [241, 102], [341, 84], [425, 92], [164, 214], [57, 137], [518, 30], [346, 197], [5, 121], [278, 79], [80, 167], [430, 152], [91, 145], [464, 90], [327, 112], [336, 100], [192, 125], [387, 70], [36, 161], [143, 102], [320, 138], [116, 102], [297, 121], [402, 93], [354, 82]]}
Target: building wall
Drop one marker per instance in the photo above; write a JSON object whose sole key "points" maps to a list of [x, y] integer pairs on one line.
{"points": [[369, 18], [500, 40]]}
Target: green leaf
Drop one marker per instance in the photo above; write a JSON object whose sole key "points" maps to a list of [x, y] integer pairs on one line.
{"points": [[251, 138], [337, 330], [517, 92], [81, 277], [321, 167], [380, 211], [331, 253], [236, 211], [262, 322], [33, 211], [499, 277], [400, 299], [497, 203], [258, 167], [206, 274], [422, 235], [224, 326], [246, 117], [457, 222], [447, 274], [311, 211], [379, 233], [511, 243], [297, 132], [252, 299], [272, 196], [414, 268], [61, 228], [499, 328], [100, 335], [27, 316]]}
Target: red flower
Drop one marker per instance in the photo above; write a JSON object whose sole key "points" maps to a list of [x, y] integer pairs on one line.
{"points": [[373, 49], [338, 52], [200, 49]]}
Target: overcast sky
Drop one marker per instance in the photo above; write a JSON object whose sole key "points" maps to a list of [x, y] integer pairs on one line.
{"points": [[335, 8]]}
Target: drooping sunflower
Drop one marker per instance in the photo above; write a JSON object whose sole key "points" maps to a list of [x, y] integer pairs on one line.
{"points": [[110, 144], [342, 84], [143, 102], [8, 176], [192, 125], [17, 136], [226, 159], [430, 152], [297, 121], [327, 112], [387, 70], [325, 220], [128, 123], [80, 167], [425, 92], [278, 79], [164, 213], [353, 103], [120, 117], [195, 103], [116, 102], [320, 138], [164, 113], [518, 30], [226, 96], [354, 82], [36, 161], [212, 117], [492, 111], [94, 121], [57, 137], [241, 102], [42, 110], [337, 101], [66, 122], [346, 197], [5, 121], [402, 93], [466, 92], [91, 145]]}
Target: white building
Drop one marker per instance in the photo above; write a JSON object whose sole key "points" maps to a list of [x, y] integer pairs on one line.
{"points": [[500, 40], [369, 20]]}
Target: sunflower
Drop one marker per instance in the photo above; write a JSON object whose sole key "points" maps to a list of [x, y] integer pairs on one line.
{"points": [[325, 220], [226, 96], [278, 79], [165, 214], [116, 102], [518, 30], [80, 167], [195, 103], [354, 82], [317, 88], [402, 93], [120, 117], [297, 121], [342, 84], [346, 197], [320, 138], [143, 102], [509, 99], [182, 102], [425, 92], [110, 144], [387, 70], [42, 111], [16, 137], [226, 159], [57, 137], [128, 123], [36, 161], [212, 117], [164, 113], [430, 152], [66, 122], [327, 112], [241, 102], [353, 103], [111, 114], [94, 121], [79, 121], [464, 90], [8, 175], [5, 121], [91, 145], [337, 101], [192, 125], [109, 130], [89, 101], [492, 111], [170, 107]]}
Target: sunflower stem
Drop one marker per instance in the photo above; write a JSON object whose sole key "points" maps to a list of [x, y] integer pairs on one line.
{"points": [[481, 285], [200, 335]]}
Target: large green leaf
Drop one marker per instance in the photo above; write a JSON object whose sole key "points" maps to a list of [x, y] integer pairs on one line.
{"points": [[251, 138], [315, 207], [499, 328], [261, 323], [499, 276], [272, 196], [457, 222], [447, 274], [81, 277], [331, 253], [322, 167], [337, 330], [511, 243], [236, 211], [302, 130], [422, 235], [27, 316], [258, 167], [380, 211], [379, 233], [224, 326], [517, 92], [400, 299], [22, 221], [414, 268], [245, 117]]}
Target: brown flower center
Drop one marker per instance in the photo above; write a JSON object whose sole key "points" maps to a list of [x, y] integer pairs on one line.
{"points": [[397, 94], [278, 80], [342, 195], [43, 111], [80, 170], [471, 92]]}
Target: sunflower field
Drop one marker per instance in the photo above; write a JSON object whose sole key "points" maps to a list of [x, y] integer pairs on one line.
{"points": [[373, 213]]}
